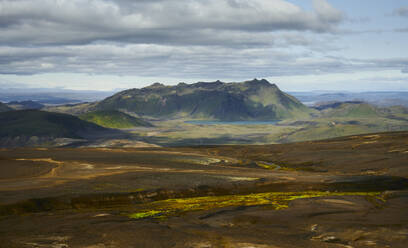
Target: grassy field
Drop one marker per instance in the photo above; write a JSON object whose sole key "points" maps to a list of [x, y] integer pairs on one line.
{"points": [[179, 133]]}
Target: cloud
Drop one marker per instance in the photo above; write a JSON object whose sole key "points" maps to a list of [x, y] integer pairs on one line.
{"points": [[47, 22], [389, 63], [150, 60], [389, 79], [179, 38], [326, 12], [401, 30], [174, 38], [402, 11]]}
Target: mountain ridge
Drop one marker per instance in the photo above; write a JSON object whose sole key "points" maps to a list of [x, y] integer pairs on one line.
{"points": [[36, 127], [248, 100]]}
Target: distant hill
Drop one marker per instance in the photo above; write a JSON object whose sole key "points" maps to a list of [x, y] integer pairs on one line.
{"points": [[19, 127], [4, 107], [25, 105], [378, 98], [72, 109], [250, 100], [352, 109], [114, 119], [51, 95], [328, 105]]}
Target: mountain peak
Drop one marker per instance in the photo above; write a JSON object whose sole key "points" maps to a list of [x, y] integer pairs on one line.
{"points": [[255, 99], [257, 82], [156, 85], [208, 84]]}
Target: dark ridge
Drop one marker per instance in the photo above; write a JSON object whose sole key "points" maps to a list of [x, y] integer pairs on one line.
{"points": [[4, 107], [26, 105], [28, 123]]}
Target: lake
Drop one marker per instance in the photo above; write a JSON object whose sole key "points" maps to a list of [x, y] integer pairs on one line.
{"points": [[203, 122]]}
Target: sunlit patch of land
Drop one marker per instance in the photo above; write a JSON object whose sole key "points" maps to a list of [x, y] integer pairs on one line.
{"points": [[273, 200]]}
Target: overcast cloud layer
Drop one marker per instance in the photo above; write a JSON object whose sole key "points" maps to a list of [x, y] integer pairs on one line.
{"points": [[183, 38]]}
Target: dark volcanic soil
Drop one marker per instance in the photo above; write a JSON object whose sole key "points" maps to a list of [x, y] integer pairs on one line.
{"points": [[348, 192]]}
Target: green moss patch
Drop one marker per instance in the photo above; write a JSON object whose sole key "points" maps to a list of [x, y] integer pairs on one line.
{"points": [[275, 200]]}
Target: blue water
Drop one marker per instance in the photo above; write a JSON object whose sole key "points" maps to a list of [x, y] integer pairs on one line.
{"points": [[232, 122]]}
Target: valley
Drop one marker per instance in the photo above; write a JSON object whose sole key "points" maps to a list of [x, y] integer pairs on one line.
{"points": [[344, 192], [203, 124], [204, 113], [204, 165]]}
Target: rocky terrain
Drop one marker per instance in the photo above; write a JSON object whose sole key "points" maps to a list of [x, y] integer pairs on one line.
{"points": [[345, 192]]}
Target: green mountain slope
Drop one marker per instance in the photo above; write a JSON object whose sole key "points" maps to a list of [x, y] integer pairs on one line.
{"points": [[4, 107], [114, 119], [29, 123], [250, 100], [354, 110]]}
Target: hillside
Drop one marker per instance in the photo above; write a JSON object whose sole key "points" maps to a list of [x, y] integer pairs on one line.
{"points": [[72, 109], [352, 110], [114, 119], [4, 107], [250, 100], [25, 105], [18, 127]]}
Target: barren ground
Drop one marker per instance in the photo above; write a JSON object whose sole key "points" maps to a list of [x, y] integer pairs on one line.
{"points": [[345, 192]]}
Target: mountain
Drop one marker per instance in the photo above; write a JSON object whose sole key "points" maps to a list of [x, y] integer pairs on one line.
{"points": [[72, 109], [4, 107], [114, 119], [17, 128], [333, 104], [249, 100], [352, 109], [25, 105], [51, 95], [378, 98]]}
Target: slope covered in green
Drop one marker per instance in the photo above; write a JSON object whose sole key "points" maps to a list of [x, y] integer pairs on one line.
{"points": [[114, 119], [250, 100], [354, 110], [44, 124]]}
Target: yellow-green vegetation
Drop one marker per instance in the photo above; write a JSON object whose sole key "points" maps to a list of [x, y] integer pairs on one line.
{"points": [[275, 200], [115, 187], [114, 119], [145, 214], [269, 166], [273, 166], [196, 160]]}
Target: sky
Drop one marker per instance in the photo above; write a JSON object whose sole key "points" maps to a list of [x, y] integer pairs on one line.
{"points": [[301, 45]]}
